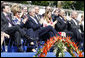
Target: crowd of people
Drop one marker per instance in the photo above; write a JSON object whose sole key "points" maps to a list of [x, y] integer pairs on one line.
{"points": [[25, 23]]}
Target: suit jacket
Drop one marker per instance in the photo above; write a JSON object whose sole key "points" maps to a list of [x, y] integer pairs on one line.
{"points": [[5, 21], [73, 25], [60, 26], [39, 16], [32, 24], [54, 17]]}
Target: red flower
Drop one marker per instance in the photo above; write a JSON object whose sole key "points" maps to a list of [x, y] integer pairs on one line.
{"points": [[80, 54], [76, 48], [55, 38], [74, 44], [45, 51], [41, 55], [59, 33], [68, 45]]}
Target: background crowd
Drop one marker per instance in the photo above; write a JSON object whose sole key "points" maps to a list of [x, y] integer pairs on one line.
{"points": [[23, 23]]}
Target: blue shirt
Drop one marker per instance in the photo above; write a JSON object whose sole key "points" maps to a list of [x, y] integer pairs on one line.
{"points": [[16, 21]]}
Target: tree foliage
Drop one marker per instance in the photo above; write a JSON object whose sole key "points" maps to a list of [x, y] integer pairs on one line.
{"points": [[44, 3], [77, 5]]}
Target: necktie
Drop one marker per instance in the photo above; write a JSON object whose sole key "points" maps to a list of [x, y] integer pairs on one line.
{"points": [[9, 19], [34, 19]]}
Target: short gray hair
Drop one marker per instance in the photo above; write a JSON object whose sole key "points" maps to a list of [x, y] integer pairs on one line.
{"points": [[30, 9]]}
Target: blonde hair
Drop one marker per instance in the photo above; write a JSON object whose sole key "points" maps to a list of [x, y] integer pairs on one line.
{"points": [[15, 8], [46, 16]]}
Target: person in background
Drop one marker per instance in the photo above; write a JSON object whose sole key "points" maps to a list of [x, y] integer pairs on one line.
{"points": [[82, 23], [48, 8], [24, 12], [55, 14], [37, 15]]}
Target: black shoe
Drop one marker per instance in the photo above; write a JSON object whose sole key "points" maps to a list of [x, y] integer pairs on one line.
{"points": [[31, 50], [1, 50], [20, 49], [26, 36]]}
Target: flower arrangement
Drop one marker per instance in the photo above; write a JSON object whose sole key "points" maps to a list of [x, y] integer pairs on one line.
{"points": [[61, 44]]}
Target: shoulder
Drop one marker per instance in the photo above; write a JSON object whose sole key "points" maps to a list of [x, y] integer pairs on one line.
{"points": [[2, 15], [29, 18]]}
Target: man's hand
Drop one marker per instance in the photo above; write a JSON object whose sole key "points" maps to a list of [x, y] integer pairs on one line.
{"points": [[6, 35]]}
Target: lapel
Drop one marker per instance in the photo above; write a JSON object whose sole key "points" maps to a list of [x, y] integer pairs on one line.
{"points": [[77, 21], [73, 22], [61, 19], [37, 19], [32, 20], [4, 18]]}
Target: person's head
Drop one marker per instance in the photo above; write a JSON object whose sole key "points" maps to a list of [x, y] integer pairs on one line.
{"points": [[25, 9], [2, 2], [62, 13], [36, 9], [16, 10], [82, 17], [74, 14], [48, 8], [32, 12], [5, 8], [56, 12]]}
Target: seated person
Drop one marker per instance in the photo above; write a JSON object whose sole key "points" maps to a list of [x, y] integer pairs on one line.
{"points": [[17, 20], [62, 24], [36, 26], [9, 28], [75, 28], [47, 20]]}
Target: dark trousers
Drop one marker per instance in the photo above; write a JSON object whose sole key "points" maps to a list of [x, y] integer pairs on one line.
{"points": [[14, 29], [15, 32], [77, 35], [45, 30]]}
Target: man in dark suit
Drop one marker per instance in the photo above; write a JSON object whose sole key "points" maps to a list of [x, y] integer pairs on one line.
{"points": [[63, 24], [8, 27], [75, 27], [60, 25]]}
